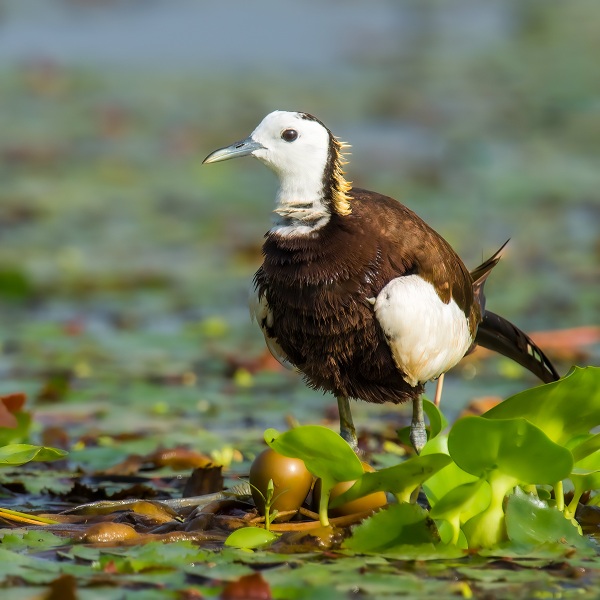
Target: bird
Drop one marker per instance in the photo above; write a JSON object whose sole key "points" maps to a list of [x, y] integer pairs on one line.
{"points": [[356, 291]]}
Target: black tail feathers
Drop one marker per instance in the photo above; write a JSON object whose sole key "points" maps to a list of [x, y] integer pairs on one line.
{"points": [[497, 334]]}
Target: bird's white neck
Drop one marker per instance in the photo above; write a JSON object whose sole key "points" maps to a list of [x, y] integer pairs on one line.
{"points": [[300, 207]]}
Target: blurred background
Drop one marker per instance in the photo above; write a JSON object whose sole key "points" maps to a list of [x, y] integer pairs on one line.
{"points": [[125, 264]]}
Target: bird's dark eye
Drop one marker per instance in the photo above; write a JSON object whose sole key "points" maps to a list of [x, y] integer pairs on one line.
{"points": [[289, 135]]}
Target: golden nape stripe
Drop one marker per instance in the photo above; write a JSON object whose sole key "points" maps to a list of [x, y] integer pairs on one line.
{"points": [[341, 187]]}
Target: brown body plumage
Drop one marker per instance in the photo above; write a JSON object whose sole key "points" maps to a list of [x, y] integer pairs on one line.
{"points": [[318, 291]]}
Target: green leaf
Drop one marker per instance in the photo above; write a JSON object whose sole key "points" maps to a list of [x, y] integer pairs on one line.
{"points": [[585, 477], [446, 479], [465, 500], [20, 433], [30, 568], [400, 480], [461, 504], [437, 421], [325, 454], [487, 528], [562, 409], [19, 454], [585, 480], [505, 452], [514, 447], [250, 537], [590, 463], [530, 521], [395, 526], [20, 539], [589, 447]]}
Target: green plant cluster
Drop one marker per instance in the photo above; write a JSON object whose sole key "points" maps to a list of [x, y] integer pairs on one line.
{"points": [[491, 479]]}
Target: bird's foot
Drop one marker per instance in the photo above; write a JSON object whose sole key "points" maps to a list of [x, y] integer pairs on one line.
{"points": [[418, 435], [350, 437], [347, 429]]}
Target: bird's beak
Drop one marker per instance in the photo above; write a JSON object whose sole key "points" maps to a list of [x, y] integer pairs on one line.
{"points": [[242, 148]]}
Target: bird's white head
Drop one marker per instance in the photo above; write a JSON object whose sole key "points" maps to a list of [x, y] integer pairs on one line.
{"points": [[308, 160], [293, 145]]}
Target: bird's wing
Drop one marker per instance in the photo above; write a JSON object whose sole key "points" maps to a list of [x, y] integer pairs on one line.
{"points": [[425, 305], [410, 246], [426, 336], [259, 310]]}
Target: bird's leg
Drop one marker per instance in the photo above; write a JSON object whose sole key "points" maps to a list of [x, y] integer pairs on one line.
{"points": [[418, 435], [438, 390], [347, 430]]}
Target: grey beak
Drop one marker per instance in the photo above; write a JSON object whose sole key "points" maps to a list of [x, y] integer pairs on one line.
{"points": [[242, 148]]}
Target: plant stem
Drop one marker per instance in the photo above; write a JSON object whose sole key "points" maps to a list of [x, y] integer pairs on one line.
{"points": [[559, 496], [324, 502]]}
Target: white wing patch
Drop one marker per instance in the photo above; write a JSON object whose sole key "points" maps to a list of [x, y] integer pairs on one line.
{"points": [[259, 310], [426, 336]]}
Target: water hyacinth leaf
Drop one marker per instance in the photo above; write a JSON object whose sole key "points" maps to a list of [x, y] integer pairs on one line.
{"points": [[448, 535], [250, 537], [446, 479], [400, 479], [505, 452], [514, 447], [530, 521], [463, 502], [19, 454], [395, 526], [325, 454], [585, 477], [583, 481], [437, 421], [438, 444], [562, 409], [590, 447], [590, 462], [488, 528]]}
